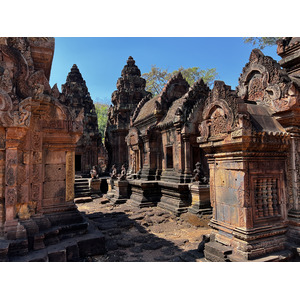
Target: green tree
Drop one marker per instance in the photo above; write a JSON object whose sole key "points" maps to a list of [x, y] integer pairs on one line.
{"points": [[191, 75], [261, 42], [157, 77], [101, 111]]}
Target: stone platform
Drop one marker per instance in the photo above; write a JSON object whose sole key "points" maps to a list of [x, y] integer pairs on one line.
{"points": [[118, 191], [175, 197], [54, 237], [144, 193], [200, 199]]}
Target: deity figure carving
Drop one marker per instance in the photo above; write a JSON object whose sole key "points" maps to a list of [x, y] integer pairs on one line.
{"points": [[113, 173], [123, 173], [93, 172], [199, 175]]}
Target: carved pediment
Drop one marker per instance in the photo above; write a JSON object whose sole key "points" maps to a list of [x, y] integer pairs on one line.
{"points": [[133, 137], [219, 113], [175, 88], [264, 81], [217, 120]]}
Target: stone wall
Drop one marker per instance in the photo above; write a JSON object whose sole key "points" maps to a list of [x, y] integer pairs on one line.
{"points": [[38, 137]]}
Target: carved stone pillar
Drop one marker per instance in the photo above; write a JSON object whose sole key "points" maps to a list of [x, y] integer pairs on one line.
{"points": [[164, 158], [147, 173], [294, 188], [187, 152], [2, 179], [70, 175], [181, 160], [290, 120], [146, 150], [36, 164], [12, 228]]}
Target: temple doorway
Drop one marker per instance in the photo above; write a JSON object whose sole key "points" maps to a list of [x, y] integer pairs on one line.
{"points": [[77, 163]]}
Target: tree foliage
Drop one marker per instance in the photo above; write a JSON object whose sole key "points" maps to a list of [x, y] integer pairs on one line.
{"points": [[157, 77], [261, 42], [191, 75], [101, 111]]}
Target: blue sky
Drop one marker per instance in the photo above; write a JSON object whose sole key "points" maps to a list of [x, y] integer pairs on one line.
{"points": [[101, 59]]}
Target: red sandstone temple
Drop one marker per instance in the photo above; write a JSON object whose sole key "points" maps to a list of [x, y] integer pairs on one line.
{"points": [[39, 135], [233, 154], [246, 144]]}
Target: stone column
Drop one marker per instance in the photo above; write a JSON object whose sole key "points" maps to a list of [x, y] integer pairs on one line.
{"points": [[187, 154], [181, 161], [36, 164], [294, 190], [164, 158], [146, 151], [2, 179], [12, 228], [70, 175]]}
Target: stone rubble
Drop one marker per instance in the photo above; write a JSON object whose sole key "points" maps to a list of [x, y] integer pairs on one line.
{"points": [[145, 235]]}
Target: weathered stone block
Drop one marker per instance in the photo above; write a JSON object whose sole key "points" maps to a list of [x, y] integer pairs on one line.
{"points": [[54, 189], [200, 199], [72, 252], [91, 244], [95, 185], [56, 254], [23, 193], [55, 157], [55, 172]]}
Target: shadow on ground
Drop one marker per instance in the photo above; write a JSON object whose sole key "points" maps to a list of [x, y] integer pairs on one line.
{"points": [[128, 238]]}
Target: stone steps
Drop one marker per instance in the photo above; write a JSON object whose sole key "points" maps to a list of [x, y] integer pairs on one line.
{"points": [[64, 242], [72, 249], [81, 187]]}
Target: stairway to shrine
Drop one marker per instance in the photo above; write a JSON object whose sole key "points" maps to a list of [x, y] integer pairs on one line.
{"points": [[82, 187]]}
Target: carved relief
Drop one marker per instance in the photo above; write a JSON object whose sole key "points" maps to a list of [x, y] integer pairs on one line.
{"points": [[133, 137], [5, 81], [11, 157], [36, 142], [218, 122], [6, 115], [217, 119], [25, 112], [22, 174], [241, 217], [36, 174], [70, 174], [37, 157], [264, 80], [10, 176], [35, 192], [240, 195], [22, 193], [256, 88], [10, 196]]}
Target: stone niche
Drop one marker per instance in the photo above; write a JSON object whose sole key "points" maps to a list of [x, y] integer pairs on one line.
{"points": [[248, 151], [38, 136]]}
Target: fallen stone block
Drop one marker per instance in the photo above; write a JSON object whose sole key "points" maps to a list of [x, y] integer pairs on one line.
{"points": [[91, 244]]}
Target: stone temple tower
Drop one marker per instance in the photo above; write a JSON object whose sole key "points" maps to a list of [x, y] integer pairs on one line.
{"points": [[76, 96], [130, 91]]}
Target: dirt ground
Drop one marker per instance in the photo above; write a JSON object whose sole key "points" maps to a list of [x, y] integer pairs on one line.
{"points": [[145, 234]]}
